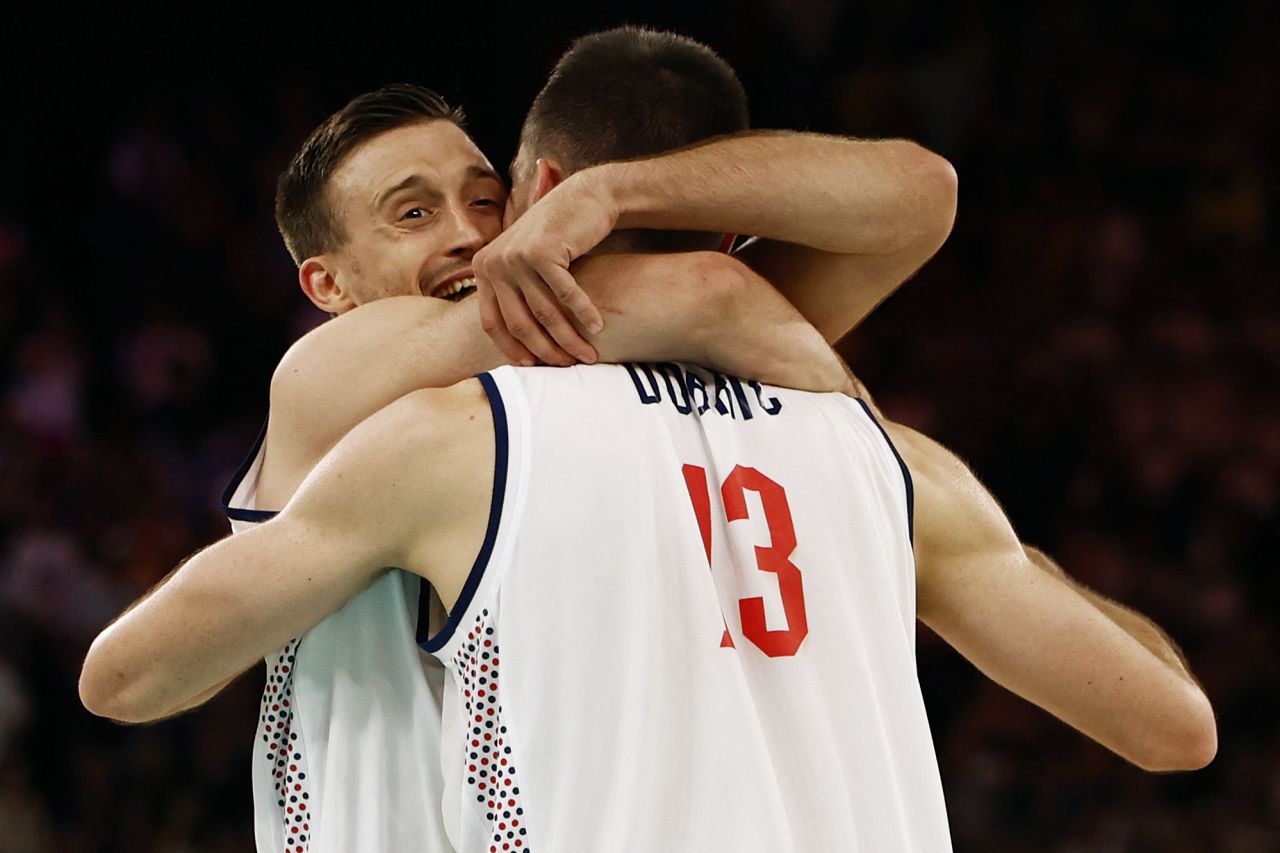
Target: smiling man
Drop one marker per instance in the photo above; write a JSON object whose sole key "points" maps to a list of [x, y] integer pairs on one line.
{"points": [[569, 517], [364, 217], [389, 200]]}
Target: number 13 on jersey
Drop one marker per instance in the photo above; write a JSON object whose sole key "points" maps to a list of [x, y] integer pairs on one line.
{"points": [[776, 558]]}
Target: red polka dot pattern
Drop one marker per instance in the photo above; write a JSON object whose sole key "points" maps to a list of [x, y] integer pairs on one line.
{"points": [[491, 776], [284, 749]]}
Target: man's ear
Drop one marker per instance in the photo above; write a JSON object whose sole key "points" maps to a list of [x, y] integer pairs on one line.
{"points": [[320, 284], [547, 175]]}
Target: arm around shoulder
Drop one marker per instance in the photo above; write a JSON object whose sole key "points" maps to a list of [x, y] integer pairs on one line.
{"points": [[707, 308], [343, 371], [385, 496]]}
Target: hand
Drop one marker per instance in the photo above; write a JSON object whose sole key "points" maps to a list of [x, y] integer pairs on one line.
{"points": [[528, 298]]}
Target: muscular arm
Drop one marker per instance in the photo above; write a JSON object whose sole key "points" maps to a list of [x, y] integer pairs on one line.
{"points": [[846, 221], [1101, 668], [1134, 623], [701, 307], [400, 490]]}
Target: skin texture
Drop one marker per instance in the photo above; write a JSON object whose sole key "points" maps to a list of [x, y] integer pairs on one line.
{"points": [[702, 307], [1017, 617], [416, 204], [408, 240], [844, 223]]}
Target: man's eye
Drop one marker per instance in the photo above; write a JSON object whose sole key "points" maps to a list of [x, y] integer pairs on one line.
{"points": [[487, 202], [414, 213]]}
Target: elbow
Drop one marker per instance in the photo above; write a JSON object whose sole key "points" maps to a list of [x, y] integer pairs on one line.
{"points": [[1187, 740], [938, 189], [107, 692], [944, 197], [98, 697], [722, 283]]}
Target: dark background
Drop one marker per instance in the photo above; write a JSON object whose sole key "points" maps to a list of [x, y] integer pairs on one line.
{"points": [[1099, 338]]}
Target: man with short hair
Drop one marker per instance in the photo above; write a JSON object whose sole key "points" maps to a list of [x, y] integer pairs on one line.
{"points": [[403, 490], [389, 198]]}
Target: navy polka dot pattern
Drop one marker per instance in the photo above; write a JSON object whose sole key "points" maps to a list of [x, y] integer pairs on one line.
{"points": [[284, 749], [491, 776]]}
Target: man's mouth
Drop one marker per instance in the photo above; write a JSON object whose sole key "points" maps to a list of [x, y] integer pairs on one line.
{"points": [[455, 291]]}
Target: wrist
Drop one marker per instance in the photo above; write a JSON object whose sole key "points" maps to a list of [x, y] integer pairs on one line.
{"points": [[615, 187]]}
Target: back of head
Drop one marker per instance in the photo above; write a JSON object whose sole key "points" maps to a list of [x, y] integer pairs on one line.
{"points": [[631, 92], [306, 219]]}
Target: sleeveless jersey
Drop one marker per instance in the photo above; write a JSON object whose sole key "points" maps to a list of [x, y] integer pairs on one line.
{"points": [[347, 750], [691, 625]]}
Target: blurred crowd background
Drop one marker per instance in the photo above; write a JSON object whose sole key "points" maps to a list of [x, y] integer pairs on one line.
{"points": [[1100, 338]]}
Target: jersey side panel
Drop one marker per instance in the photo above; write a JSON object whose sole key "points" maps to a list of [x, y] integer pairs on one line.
{"points": [[346, 753]]}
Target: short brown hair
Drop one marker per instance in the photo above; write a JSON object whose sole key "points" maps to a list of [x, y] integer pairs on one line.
{"points": [[303, 213], [632, 92]]}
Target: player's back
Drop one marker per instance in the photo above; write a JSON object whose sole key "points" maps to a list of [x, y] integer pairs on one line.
{"points": [[691, 626]]}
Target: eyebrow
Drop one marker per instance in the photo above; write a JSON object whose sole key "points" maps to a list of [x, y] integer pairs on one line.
{"points": [[417, 180]]}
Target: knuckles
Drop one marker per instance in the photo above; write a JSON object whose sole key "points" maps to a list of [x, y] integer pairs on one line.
{"points": [[544, 315], [520, 328]]}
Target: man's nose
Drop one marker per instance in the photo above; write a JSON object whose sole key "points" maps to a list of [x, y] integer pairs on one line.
{"points": [[467, 237]]}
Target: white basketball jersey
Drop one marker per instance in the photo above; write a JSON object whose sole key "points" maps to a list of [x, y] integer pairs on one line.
{"points": [[347, 754], [690, 628]]}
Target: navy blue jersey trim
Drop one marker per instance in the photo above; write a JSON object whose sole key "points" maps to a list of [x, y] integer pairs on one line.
{"points": [[434, 644], [425, 591], [236, 513], [906, 473], [423, 633]]}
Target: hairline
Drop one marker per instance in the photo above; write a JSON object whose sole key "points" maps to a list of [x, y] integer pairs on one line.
{"points": [[326, 199]]}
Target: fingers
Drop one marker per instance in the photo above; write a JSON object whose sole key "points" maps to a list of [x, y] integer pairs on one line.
{"points": [[517, 326], [494, 326], [521, 312], [550, 316], [565, 288]]}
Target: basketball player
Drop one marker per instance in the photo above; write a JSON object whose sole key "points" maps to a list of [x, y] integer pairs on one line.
{"points": [[357, 668], [684, 633], [991, 541]]}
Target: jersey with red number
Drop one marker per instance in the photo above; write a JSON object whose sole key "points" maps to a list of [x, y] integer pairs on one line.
{"points": [[346, 756], [690, 627]]}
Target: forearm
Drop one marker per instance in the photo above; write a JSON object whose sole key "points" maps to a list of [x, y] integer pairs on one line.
{"points": [[831, 193], [1024, 625], [355, 364], [210, 622], [1130, 621], [708, 309], [144, 667]]}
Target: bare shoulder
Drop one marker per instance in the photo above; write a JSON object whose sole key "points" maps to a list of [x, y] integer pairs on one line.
{"points": [[956, 516], [435, 416], [334, 377], [409, 455], [460, 397], [308, 365], [438, 478], [926, 458]]}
